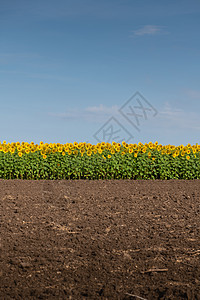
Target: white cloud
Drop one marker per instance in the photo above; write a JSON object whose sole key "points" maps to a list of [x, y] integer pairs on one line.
{"points": [[194, 94], [92, 113], [37, 75], [148, 30], [170, 112], [178, 118], [102, 109]]}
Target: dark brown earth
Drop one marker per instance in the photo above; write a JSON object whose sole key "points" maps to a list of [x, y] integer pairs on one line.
{"points": [[100, 239]]}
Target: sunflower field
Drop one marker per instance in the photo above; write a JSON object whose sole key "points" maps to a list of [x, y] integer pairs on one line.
{"points": [[102, 161]]}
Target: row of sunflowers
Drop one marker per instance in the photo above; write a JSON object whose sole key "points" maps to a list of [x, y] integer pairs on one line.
{"points": [[102, 161]]}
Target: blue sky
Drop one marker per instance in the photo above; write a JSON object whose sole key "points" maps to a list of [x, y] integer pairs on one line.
{"points": [[88, 70]]}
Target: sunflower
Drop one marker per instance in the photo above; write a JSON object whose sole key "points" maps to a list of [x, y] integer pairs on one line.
{"points": [[127, 146], [130, 151], [89, 152], [168, 151], [82, 150], [144, 150], [43, 152], [87, 146], [75, 152], [109, 147]]}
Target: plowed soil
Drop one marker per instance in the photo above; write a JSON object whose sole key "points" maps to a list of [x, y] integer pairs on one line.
{"points": [[112, 239]]}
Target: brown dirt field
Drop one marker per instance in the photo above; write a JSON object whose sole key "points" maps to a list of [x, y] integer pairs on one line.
{"points": [[110, 239]]}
